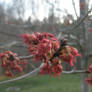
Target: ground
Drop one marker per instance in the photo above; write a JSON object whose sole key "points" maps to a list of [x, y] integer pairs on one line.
{"points": [[66, 83]]}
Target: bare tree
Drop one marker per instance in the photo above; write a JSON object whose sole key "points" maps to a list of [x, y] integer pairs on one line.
{"points": [[18, 7]]}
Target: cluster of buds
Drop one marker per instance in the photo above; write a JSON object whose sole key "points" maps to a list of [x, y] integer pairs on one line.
{"points": [[41, 45], [54, 68], [11, 63], [47, 48], [89, 80], [69, 54]]}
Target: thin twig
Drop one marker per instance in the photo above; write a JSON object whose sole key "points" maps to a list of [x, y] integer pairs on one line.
{"points": [[9, 34], [74, 8], [75, 71], [26, 57], [9, 44]]}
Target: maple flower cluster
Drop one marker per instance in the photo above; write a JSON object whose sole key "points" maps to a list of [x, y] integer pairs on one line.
{"points": [[11, 63], [89, 80], [47, 48]]}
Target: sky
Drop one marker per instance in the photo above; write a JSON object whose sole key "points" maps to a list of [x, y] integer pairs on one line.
{"points": [[41, 8]]}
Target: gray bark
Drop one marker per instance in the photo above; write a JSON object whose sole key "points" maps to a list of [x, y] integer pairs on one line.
{"points": [[84, 63]]}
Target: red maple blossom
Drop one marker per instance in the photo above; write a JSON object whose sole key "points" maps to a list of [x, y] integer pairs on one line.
{"points": [[45, 47], [11, 63]]}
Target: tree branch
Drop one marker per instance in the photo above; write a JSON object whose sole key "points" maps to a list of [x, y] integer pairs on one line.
{"points": [[75, 71], [73, 37], [25, 57], [9, 44], [9, 34], [74, 8], [69, 29], [34, 72]]}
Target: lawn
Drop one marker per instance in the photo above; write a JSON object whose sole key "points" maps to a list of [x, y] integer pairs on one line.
{"points": [[66, 83]]}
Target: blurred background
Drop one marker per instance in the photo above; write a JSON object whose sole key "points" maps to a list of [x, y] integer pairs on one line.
{"points": [[70, 19]]}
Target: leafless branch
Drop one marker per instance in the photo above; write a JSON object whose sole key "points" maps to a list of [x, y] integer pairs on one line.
{"points": [[75, 71], [9, 34], [51, 4], [69, 29], [89, 56], [82, 19], [34, 72], [16, 25], [33, 66], [26, 57], [74, 8], [12, 25], [73, 37], [9, 44]]}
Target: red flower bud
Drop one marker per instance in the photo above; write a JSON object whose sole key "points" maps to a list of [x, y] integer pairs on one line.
{"points": [[89, 81], [90, 68]]}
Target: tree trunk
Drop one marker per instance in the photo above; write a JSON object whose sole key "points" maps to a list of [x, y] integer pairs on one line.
{"points": [[84, 85], [84, 63]]}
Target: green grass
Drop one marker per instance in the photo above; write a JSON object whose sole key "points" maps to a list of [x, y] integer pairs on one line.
{"points": [[66, 83]]}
